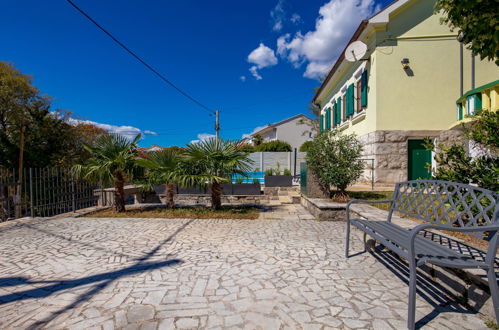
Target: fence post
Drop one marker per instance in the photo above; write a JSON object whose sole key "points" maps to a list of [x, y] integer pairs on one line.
{"points": [[73, 192], [31, 206]]}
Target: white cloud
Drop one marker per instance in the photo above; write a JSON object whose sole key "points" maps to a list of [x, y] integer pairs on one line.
{"points": [[129, 132], [254, 72], [295, 18], [242, 78], [203, 137], [256, 129], [278, 15], [337, 21], [262, 57]]}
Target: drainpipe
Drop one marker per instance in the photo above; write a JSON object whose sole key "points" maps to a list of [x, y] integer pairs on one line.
{"points": [[472, 71], [461, 80]]}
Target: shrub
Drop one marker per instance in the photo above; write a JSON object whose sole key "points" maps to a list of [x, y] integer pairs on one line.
{"points": [[239, 180], [256, 181], [286, 171], [454, 163], [247, 148], [269, 172], [277, 145], [306, 146], [335, 159]]}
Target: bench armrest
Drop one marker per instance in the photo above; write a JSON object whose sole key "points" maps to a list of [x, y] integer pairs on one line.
{"points": [[413, 233], [362, 201]]}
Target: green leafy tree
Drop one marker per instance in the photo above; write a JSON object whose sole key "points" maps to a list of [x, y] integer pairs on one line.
{"points": [[277, 146], [306, 146], [49, 140], [257, 140], [165, 167], [335, 159], [214, 161], [455, 164], [476, 21], [113, 161], [247, 148]]}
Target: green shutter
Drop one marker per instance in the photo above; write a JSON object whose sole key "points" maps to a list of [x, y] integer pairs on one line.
{"points": [[339, 110], [364, 89], [328, 118], [459, 111], [321, 123], [334, 114], [350, 101], [478, 101]]}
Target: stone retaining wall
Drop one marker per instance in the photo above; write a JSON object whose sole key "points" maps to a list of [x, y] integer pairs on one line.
{"points": [[186, 199]]}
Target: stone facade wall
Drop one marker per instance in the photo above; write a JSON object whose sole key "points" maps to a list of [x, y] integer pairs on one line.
{"points": [[389, 151]]}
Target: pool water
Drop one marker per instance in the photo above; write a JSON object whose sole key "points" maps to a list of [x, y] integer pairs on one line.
{"points": [[250, 177]]}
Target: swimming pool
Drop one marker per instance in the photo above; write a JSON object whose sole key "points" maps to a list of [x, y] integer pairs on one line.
{"points": [[250, 177]]}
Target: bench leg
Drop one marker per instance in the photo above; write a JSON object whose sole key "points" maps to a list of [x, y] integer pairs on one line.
{"points": [[411, 317], [347, 240], [494, 292], [365, 242]]}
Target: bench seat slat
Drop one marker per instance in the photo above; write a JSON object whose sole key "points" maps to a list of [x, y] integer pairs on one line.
{"points": [[425, 248]]}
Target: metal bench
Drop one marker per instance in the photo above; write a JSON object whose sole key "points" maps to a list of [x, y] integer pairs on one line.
{"points": [[444, 206]]}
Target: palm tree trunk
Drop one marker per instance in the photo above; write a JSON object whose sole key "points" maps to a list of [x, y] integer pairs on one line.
{"points": [[216, 195], [170, 193], [119, 192]]}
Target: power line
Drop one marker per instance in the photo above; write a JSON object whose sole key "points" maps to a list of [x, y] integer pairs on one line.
{"points": [[140, 59]]}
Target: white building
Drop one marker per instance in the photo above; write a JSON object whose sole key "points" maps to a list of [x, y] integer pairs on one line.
{"points": [[294, 130]]}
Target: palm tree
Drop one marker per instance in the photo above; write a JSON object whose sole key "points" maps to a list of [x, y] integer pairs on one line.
{"points": [[214, 161], [164, 167], [113, 161]]}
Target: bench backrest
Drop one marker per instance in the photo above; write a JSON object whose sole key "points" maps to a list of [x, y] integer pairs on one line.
{"points": [[448, 204]]}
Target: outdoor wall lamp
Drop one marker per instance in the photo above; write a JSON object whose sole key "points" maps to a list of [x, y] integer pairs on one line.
{"points": [[405, 63]]}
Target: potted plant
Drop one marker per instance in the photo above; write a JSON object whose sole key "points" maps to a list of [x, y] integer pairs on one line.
{"points": [[273, 177], [242, 188]]}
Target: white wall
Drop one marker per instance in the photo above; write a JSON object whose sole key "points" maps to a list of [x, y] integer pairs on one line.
{"points": [[293, 131]]}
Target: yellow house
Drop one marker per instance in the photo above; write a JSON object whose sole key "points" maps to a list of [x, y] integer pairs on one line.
{"points": [[404, 88]]}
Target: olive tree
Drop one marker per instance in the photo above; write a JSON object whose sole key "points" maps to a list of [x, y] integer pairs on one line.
{"points": [[335, 159]]}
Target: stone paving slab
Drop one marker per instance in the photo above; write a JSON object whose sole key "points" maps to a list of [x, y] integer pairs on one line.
{"points": [[89, 273]]}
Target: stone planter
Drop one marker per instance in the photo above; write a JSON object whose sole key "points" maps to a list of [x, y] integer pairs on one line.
{"points": [[246, 189], [279, 181]]}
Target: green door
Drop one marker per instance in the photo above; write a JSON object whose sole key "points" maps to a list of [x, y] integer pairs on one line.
{"points": [[418, 158]]}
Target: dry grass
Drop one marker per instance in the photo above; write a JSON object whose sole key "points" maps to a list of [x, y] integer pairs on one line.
{"points": [[189, 212]]}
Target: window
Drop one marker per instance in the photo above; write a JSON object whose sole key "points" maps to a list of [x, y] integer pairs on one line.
{"points": [[363, 92]]}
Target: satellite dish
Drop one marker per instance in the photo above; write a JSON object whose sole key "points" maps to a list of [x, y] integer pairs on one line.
{"points": [[355, 51]]}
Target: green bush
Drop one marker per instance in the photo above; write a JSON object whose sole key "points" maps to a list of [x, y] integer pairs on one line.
{"points": [[247, 148], [269, 172], [335, 159], [305, 146], [239, 180], [279, 146], [256, 181], [286, 171], [454, 163]]}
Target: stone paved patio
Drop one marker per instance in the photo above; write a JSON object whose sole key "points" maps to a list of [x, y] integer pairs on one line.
{"points": [[86, 273]]}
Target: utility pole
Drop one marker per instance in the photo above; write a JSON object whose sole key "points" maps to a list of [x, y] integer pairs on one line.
{"points": [[217, 123]]}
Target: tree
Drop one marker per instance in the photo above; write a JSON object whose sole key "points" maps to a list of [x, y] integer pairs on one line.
{"points": [[476, 21], [306, 146], [257, 140], [454, 163], [336, 161], [49, 140], [113, 161], [276, 146], [165, 167], [214, 161]]}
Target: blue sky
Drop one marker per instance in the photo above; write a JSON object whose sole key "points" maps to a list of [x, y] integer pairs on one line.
{"points": [[256, 61]]}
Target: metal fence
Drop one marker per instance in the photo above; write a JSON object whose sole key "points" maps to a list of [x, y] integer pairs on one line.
{"points": [[42, 192]]}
